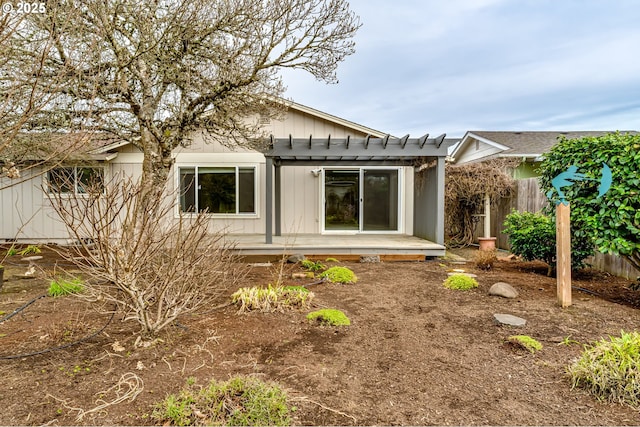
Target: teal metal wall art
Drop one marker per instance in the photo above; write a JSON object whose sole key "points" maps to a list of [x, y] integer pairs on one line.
{"points": [[568, 178]]}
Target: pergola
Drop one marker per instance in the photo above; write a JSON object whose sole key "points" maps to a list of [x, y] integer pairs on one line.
{"points": [[367, 151]]}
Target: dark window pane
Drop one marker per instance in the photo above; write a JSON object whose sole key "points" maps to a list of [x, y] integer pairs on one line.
{"points": [[90, 180], [61, 180], [246, 190], [187, 189], [217, 190]]}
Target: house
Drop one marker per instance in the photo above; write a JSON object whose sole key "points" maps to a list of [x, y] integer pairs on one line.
{"points": [[527, 146], [325, 185]]}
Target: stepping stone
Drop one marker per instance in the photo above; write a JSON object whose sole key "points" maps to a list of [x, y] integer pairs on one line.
{"points": [[508, 319], [502, 289], [369, 258], [463, 274]]}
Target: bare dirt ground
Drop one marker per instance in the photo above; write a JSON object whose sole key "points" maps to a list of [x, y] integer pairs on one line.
{"points": [[415, 354]]}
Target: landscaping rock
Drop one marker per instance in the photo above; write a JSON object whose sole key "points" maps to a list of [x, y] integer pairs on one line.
{"points": [[502, 289], [296, 258], [369, 258], [508, 319]]}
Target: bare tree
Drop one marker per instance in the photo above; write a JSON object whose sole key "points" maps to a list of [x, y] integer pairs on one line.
{"points": [[155, 268], [153, 73], [25, 91]]}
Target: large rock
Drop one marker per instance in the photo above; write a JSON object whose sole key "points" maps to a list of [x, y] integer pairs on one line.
{"points": [[502, 289], [296, 258], [508, 319]]}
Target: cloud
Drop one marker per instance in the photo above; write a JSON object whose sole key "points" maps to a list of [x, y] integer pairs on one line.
{"points": [[457, 65]]}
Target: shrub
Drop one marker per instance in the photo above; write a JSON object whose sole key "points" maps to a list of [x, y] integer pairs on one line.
{"points": [[30, 250], [484, 259], [339, 275], [526, 342], [533, 237], [271, 298], [61, 287], [331, 259], [241, 401], [609, 369], [329, 316], [312, 266], [460, 282]]}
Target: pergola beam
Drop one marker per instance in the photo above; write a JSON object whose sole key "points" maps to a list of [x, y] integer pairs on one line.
{"points": [[358, 148]]}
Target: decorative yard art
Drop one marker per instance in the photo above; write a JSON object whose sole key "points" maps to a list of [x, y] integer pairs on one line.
{"points": [[563, 224]]}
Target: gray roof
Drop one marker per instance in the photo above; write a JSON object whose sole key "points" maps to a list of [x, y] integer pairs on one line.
{"points": [[533, 142]]}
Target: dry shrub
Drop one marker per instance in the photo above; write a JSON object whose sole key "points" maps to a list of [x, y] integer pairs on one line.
{"points": [[467, 186], [154, 265], [484, 259]]}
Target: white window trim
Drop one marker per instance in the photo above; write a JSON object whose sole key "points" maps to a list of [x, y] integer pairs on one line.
{"points": [[75, 194], [359, 168], [237, 167]]}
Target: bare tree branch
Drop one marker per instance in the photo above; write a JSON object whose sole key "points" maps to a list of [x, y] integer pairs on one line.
{"points": [[156, 269], [155, 72]]}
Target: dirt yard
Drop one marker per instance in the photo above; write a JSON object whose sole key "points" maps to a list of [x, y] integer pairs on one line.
{"points": [[415, 354]]}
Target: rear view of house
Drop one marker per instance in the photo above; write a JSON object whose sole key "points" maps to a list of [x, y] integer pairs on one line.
{"points": [[322, 185]]}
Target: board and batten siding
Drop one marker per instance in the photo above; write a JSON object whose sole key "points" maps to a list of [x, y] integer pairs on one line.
{"points": [[27, 214]]}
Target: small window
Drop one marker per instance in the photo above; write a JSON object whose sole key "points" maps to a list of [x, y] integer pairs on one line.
{"points": [[218, 190], [75, 180]]}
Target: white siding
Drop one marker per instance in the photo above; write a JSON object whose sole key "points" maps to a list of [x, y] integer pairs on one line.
{"points": [[27, 213], [470, 153]]}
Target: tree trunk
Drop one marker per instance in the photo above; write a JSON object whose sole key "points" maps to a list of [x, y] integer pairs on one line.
{"points": [[156, 165]]}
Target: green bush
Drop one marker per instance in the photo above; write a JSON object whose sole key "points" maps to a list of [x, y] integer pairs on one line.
{"points": [[241, 401], [339, 275], [526, 342], [460, 282], [271, 298], [611, 219], [533, 237], [610, 369], [312, 266], [329, 316], [62, 287]]}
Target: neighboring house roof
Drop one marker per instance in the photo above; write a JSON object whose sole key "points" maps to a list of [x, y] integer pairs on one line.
{"points": [[527, 144]]}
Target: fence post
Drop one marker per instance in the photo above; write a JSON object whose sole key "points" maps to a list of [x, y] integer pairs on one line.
{"points": [[563, 253]]}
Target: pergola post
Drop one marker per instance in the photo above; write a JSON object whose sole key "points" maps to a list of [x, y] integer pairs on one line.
{"points": [[268, 203], [278, 204], [439, 223]]}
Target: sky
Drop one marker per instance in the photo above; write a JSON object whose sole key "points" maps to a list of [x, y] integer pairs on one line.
{"points": [[449, 66]]}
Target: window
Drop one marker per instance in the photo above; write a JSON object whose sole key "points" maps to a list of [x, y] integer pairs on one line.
{"points": [[75, 180], [220, 190]]}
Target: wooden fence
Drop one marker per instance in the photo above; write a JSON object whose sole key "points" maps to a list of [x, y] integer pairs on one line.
{"points": [[528, 197]]}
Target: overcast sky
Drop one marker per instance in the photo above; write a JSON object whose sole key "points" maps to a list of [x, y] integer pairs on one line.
{"points": [[448, 66]]}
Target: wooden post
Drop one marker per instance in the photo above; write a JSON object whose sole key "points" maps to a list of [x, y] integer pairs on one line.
{"points": [[563, 254], [487, 216]]}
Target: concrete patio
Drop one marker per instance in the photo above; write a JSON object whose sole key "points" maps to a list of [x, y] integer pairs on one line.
{"points": [[391, 246]]}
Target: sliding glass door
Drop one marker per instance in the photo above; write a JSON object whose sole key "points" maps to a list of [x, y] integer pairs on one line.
{"points": [[342, 200], [366, 199]]}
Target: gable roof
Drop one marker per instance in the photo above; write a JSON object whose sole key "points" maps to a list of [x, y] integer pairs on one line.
{"points": [[530, 144], [335, 119]]}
